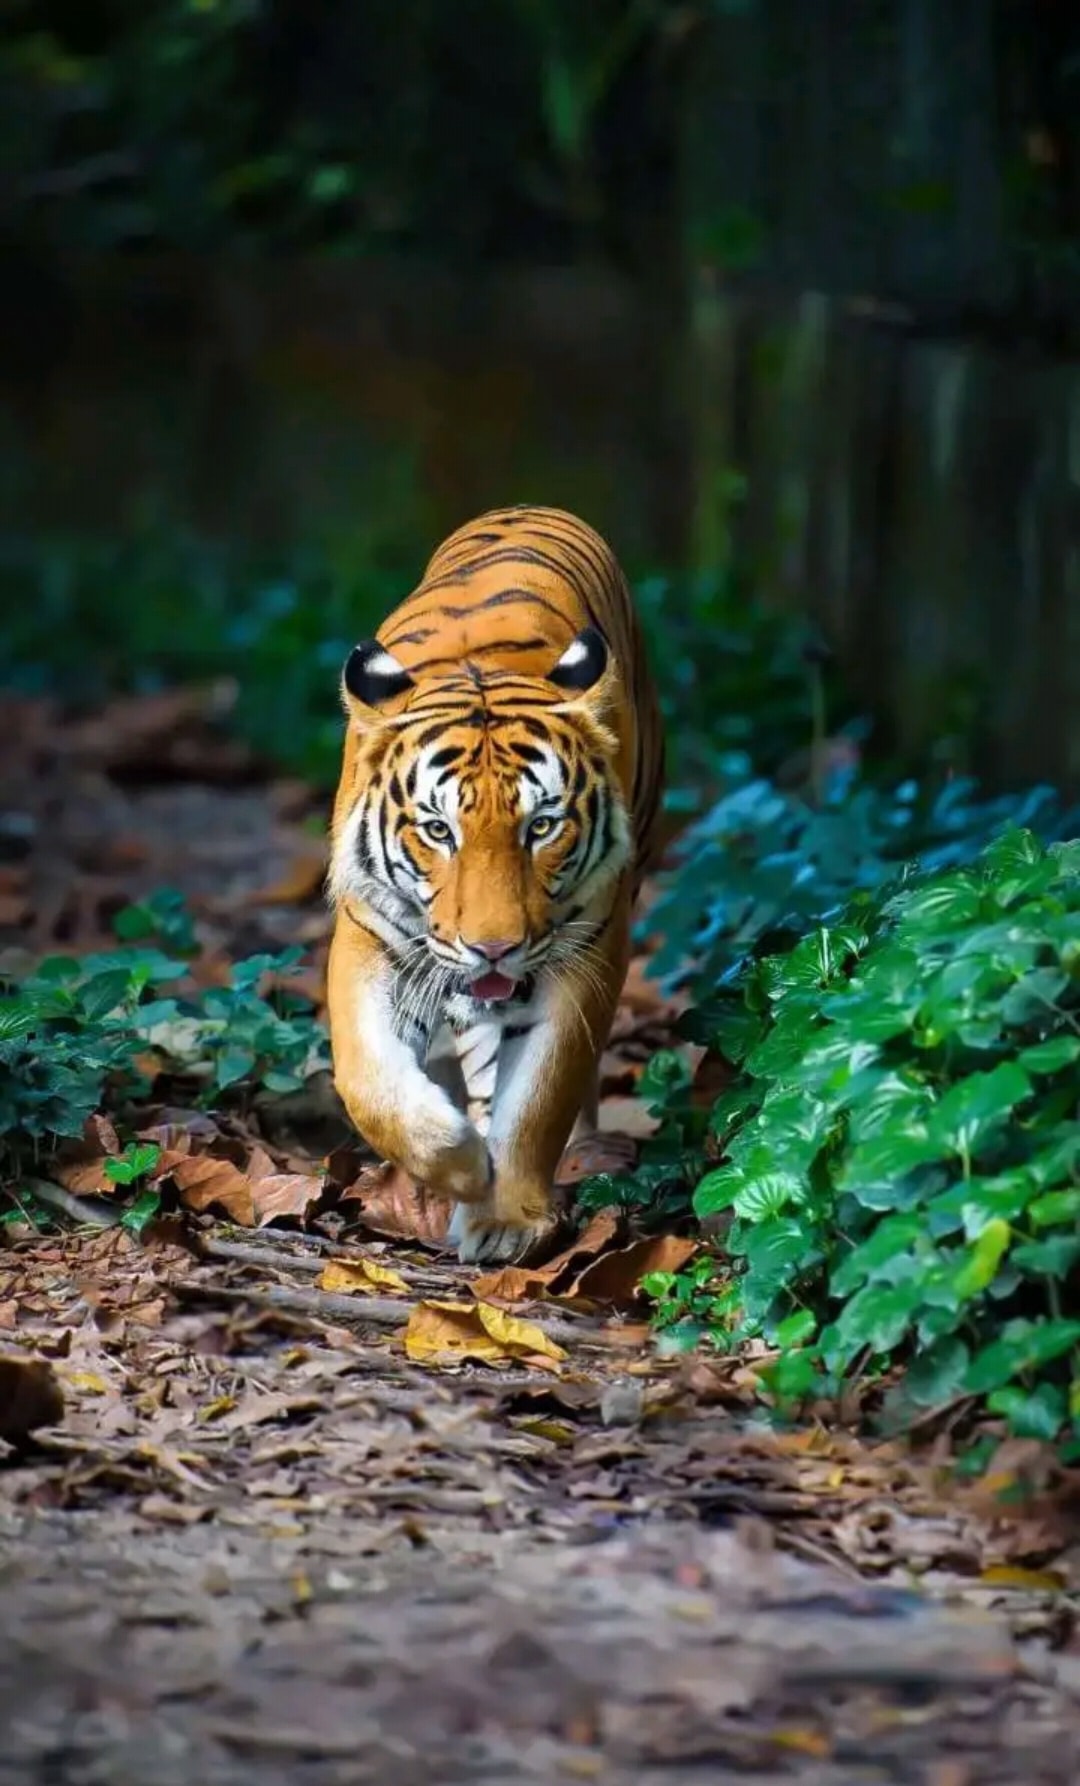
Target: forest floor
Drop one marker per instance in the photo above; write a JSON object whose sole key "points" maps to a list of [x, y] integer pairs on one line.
{"points": [[297, 1520]]}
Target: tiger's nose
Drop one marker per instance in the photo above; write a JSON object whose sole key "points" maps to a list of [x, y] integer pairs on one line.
{"points": [[498, 950]]}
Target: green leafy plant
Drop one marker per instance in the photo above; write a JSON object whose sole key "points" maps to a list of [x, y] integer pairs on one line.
{"points": [[764, 863], [74, 1034], [898, 1159]]}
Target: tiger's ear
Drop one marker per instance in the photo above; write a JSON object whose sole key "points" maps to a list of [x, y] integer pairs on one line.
{"points": [[372, 676], [583, 662]]}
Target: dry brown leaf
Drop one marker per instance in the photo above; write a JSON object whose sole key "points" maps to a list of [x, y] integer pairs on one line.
{"points": [[712, 1076], [283, 1194], [513, 1283], [599, 1233], [522, 1283], [596, 1153], [81, 1166], [30, 1397], [391, 1203], [644, 997], [302, 880], [177, 1130], [614, 1278], [203, 1181], [439, 1331], [360, 1276]]}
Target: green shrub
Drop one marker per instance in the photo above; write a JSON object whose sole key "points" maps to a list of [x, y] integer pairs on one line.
{"points": [[764, 863], [74, 1034], [899, 1155]]}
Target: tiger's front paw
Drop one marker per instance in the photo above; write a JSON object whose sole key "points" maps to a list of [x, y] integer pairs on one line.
{"points": [[482, 1239]]}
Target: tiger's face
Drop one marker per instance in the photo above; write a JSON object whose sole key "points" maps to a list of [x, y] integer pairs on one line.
{"points": [[491, 819]]}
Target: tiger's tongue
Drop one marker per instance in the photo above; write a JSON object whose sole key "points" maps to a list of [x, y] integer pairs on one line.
{"points": [[494, 986]]}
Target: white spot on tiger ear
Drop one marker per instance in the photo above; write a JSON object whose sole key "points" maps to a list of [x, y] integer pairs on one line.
{"points": [[583, 662], [576, 653], [373, 675], [385, 666]]}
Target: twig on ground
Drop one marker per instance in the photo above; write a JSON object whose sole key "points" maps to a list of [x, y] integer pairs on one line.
{"points": [[266, 1258], [79, 1209], [273, 1258], [358, 1311]]}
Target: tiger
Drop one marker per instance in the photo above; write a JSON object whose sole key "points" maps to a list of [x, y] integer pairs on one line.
{"points": [[500, 785]]}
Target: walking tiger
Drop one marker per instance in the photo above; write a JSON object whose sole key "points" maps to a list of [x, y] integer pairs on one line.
{"points": [[501, 779]]}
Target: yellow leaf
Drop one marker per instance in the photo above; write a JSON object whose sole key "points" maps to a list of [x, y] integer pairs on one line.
{"points": [[473, 1330], [224, 1404], [558, 1432], [88, 1380], [360, 1277], [1004, 1575], [515, 1334], [804, 1741]]}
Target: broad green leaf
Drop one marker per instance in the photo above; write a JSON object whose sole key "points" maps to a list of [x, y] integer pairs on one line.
{"points": [[877, 1317], [884, 1158], [796, 1329], [939, 906], [938, 1373], [986, 1255], [736, 1031], [1022, 1346], [774, 1246], [145, 1207], [105, 993], [971, 1109], [1034, 997], [18, 1017], [1038, 1414], [1053, 1257], [872, 1258], [1052, 1055], [768, 1194], [730, 1108], [718, 1190], [879, 1100], [279, 1082], [974, 1202], [792, 1377], [232, 1065], [1055, 1206]]}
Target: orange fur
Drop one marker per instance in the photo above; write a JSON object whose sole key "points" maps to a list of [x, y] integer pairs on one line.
{"points": [[499, 787]]}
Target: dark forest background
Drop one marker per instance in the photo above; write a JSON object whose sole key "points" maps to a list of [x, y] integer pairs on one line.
{"points": [[783, 294]]}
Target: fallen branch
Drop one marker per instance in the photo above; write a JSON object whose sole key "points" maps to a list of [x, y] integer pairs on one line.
{"points": [[376, 1311], [266, 1258], [373, 1311], [78, 1209]]}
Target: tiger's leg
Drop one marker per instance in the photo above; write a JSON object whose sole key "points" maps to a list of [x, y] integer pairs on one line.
{"points": [[404, 1115], [477, 1050], [543, 1064], [588, 1118]]}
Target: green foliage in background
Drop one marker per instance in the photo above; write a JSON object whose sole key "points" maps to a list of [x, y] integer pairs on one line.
{"points": [[84, 619], [899, 1150], [203, 124]]}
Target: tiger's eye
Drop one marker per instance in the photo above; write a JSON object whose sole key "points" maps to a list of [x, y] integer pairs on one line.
{"points": [[540, 828], [437, 831]]}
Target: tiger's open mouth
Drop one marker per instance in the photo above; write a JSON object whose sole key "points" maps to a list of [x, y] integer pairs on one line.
{"points": [[494, 988]]}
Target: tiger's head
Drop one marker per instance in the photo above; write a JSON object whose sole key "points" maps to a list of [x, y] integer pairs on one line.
{"points": [[482, 816]]}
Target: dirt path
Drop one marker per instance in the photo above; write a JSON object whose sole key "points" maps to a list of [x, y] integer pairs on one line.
{"points": [[264, 1548], [264, 1544]]}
